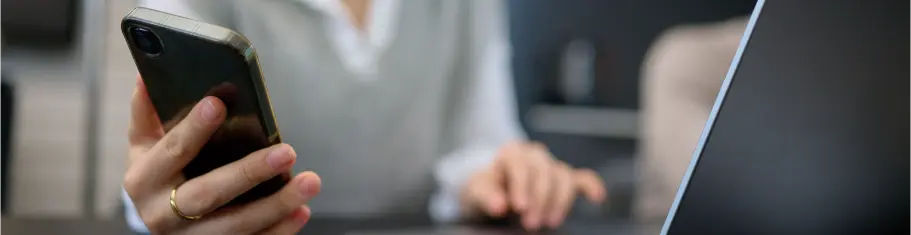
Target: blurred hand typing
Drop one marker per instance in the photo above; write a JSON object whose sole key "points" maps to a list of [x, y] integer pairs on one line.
{"points": [[527, 180]]}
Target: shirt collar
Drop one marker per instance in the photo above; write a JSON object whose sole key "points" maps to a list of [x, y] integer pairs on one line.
{"points": [[381, 28], [328, 7]]}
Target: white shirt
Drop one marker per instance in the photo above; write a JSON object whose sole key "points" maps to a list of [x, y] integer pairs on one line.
{"points": [[492, 98]]}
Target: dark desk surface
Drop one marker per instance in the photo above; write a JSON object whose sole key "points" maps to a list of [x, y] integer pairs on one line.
{"points": [[17, 226]]}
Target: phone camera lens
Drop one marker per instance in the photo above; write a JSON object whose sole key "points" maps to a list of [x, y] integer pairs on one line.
{"points": [[146, 40]]}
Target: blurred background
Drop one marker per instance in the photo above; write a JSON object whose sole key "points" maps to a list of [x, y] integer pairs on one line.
{"points": [[580, 68]]}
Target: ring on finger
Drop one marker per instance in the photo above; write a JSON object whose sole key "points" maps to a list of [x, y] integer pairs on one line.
{"points": [[173, 201]]}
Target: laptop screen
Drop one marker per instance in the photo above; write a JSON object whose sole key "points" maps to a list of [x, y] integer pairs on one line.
{"points": [[808, 135]]}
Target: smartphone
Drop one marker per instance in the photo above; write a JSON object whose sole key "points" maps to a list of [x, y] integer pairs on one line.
{"points": [[181, 61]]}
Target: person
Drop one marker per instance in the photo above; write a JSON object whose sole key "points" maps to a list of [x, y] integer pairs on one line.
{"points": [[682, 74], [402, 107]]}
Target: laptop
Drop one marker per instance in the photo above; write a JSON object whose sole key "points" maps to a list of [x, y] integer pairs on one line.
{"points": [[807, 135], [570, 228]]}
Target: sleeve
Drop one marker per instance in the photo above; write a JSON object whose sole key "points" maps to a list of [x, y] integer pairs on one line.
{"points": [[218, 12], [132, 216], [485, 112]]}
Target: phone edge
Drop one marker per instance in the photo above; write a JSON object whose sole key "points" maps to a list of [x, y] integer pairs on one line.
{"points": [[221, 35]]}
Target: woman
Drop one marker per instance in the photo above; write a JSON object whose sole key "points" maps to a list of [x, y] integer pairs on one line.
{"points": [[403, 107]]}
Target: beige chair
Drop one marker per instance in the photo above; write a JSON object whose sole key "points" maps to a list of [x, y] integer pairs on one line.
{"points": [[682, 75]]}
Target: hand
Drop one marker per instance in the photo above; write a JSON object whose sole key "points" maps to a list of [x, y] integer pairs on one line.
{"points": [[156, 160], [525, 179]]}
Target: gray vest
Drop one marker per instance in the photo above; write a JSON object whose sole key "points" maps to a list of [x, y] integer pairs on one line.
{"points": [[373, 139]]}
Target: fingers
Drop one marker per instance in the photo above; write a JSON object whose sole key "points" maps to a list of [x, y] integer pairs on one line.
{"points": [[485, 193], [518, 186], [564, 194], [145, 127], [206, 193], [541, 178], [267, 211], [291, 224], [541, 189], [541, 182], [181, 144], [589, 183], [516, 174]]}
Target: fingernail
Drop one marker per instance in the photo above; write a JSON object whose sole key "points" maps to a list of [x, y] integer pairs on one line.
{"points": [[302, 215], [208, 110], [280, 157], [305, 214], [310, 185]]}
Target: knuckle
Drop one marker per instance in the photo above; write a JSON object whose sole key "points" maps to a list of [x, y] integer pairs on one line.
{"points": [[132, 182], [289, 200], [248, 173], [174, 148], [202, 199]]}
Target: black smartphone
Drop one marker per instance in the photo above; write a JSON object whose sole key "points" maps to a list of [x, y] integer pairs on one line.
{"points": [[181, 61]]}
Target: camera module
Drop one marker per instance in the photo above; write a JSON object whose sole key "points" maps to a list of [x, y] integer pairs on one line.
{"points": [[146, 40]]}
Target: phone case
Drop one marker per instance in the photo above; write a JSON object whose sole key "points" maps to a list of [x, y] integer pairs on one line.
{"points": [[198, 60]]}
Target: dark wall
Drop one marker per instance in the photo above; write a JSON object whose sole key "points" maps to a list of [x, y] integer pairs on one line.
{"points": [[621, 30], [40, 24]]}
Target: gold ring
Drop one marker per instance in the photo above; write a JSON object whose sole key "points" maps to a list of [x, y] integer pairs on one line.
{"points": [[177, 210]]}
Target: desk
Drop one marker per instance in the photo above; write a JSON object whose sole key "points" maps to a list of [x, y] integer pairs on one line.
{"points": [[23, 226]]}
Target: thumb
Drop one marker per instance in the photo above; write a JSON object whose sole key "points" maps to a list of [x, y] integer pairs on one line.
{"points": [[486, 195]]}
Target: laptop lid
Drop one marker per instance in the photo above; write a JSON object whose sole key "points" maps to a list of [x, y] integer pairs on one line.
{"points": [[808, 134]]}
